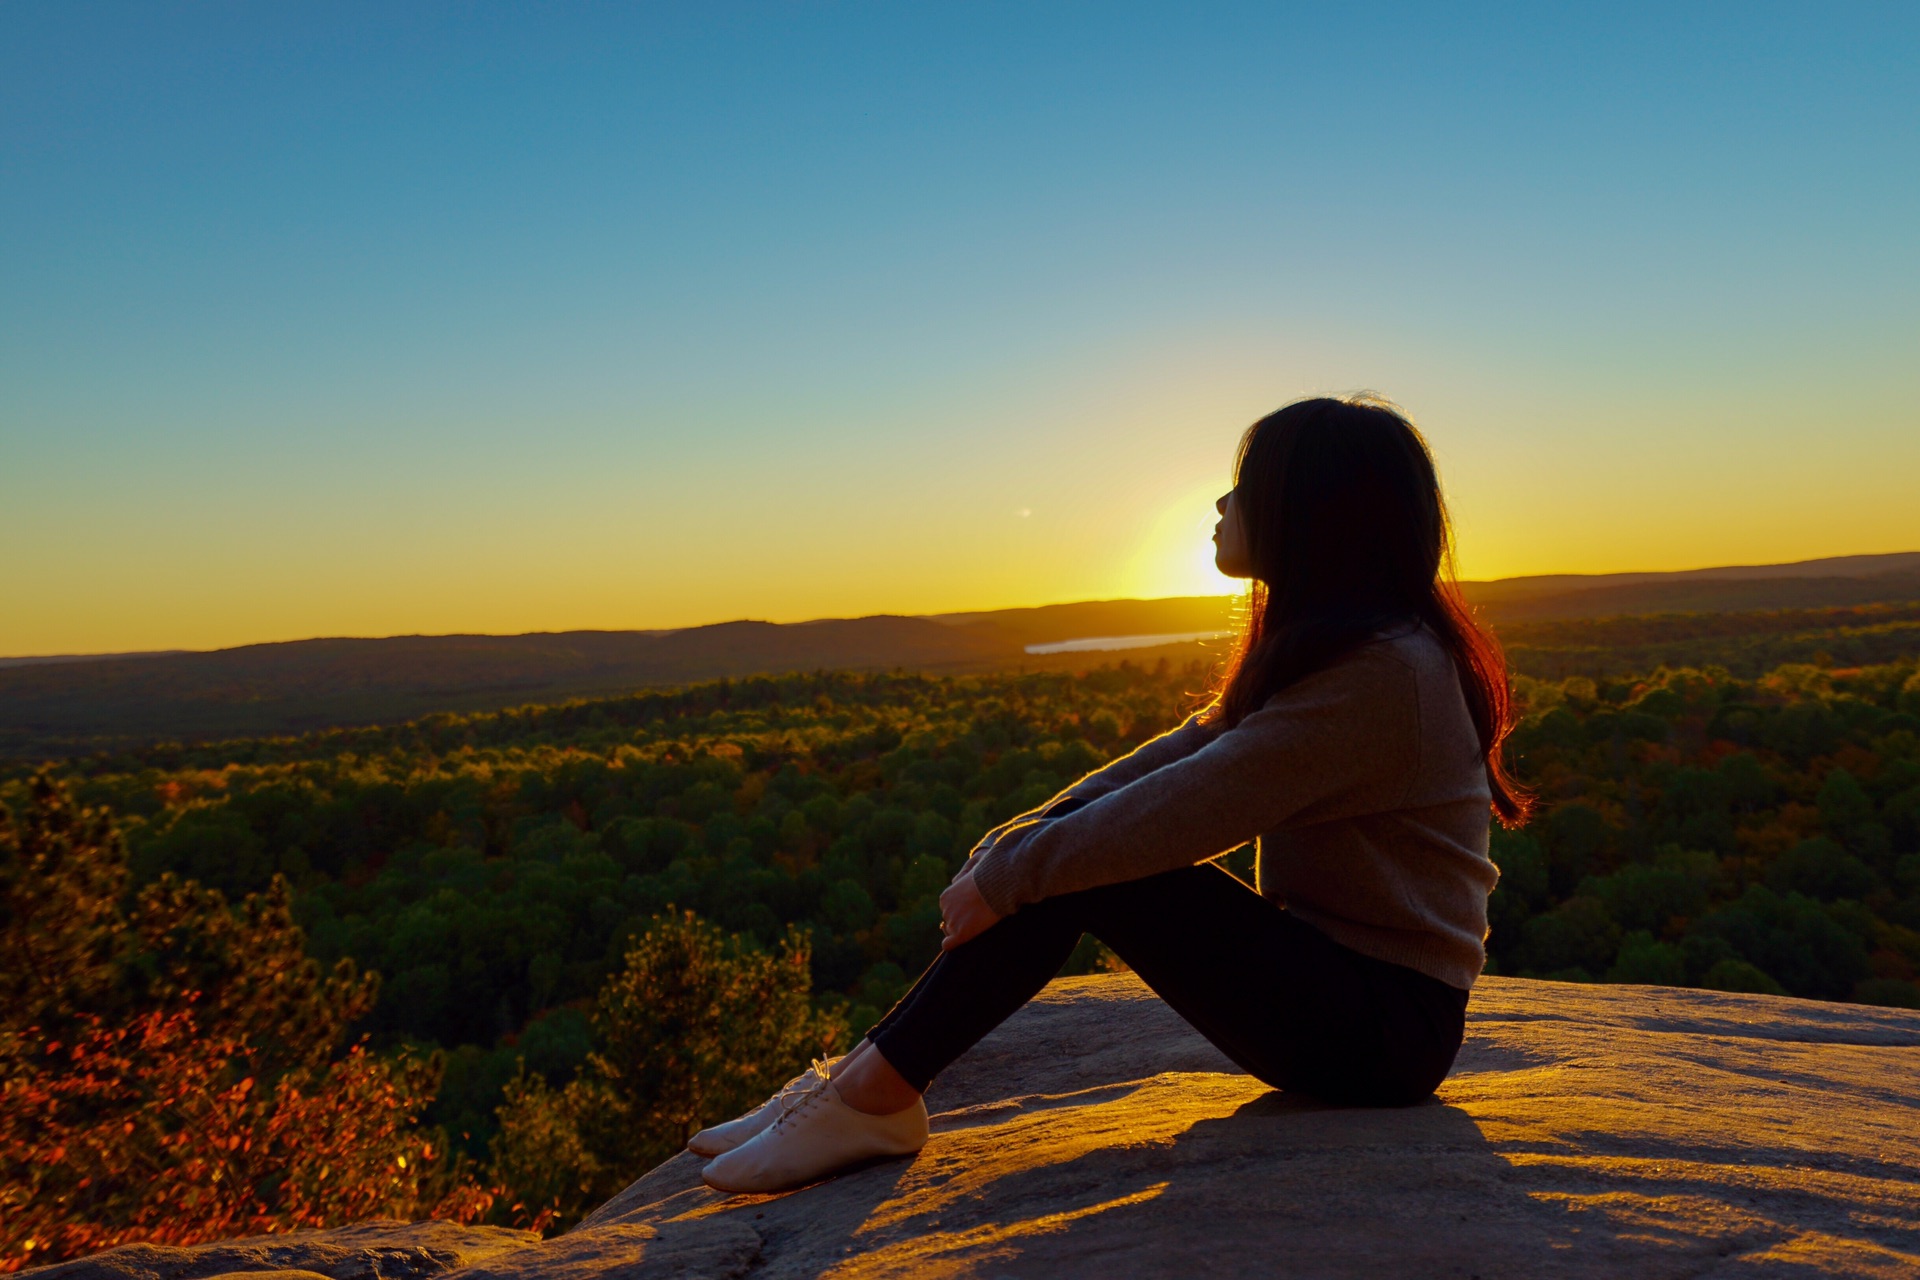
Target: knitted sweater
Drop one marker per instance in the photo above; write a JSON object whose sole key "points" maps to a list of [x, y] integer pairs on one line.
{"points": [[1364, 784]]}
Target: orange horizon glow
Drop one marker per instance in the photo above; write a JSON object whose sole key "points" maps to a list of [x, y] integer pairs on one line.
{"points": [[499, 537], [1161, 571]]}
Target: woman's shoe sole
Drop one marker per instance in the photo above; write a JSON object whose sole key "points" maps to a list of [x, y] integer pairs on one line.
{"points": [[858, 1165]]}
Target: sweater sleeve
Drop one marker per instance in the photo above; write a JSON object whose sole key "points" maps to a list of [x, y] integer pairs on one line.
{"points": [[1341, 742], [1175, 744]]}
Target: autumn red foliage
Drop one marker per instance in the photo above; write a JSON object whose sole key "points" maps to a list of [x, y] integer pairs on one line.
{"points": [[173, 1069]]}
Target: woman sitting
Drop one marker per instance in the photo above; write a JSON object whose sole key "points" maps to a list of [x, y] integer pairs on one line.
{"points": [[1356, 736]]}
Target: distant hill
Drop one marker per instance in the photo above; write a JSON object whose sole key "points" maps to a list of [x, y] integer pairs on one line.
{"points": [[41, 660], [1806, 584], [57, 709], [74, 705]]}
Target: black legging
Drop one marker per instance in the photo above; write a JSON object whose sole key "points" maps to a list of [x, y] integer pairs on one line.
{"points": [[1284, 1001]]}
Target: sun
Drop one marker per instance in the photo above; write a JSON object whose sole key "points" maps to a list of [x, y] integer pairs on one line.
{"points": [[1175, 553]]}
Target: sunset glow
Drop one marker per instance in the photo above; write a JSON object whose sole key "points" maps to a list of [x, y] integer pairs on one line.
{"points": [[1176, 554], [369, 320]]}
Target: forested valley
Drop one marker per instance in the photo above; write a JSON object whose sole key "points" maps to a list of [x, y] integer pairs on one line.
{"points": [[599, 924]]}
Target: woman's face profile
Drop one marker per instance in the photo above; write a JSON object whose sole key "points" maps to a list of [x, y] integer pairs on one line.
{"points": [[1230, 539]]}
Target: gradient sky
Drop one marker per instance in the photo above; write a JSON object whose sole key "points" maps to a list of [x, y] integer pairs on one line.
{"points": [[368, 319]]}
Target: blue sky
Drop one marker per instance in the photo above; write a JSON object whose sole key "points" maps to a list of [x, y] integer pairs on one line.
{"points": [[369, 319]]}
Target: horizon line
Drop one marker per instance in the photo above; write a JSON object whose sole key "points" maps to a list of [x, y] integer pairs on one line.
{"points": [[1639, 575]]}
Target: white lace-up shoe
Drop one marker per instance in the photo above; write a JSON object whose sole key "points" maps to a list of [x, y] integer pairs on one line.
{"points": [[725, 1137], [815, 1136]]}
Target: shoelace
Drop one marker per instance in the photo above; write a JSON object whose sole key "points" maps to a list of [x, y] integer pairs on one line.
{"points": [[796, 1085], [793, 1100]]}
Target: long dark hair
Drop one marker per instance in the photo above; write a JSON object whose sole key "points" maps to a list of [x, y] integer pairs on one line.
{"points": [[1347, 536]]}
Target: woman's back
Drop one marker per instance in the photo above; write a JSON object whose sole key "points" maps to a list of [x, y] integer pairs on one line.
{"points": [[1398, 869]]}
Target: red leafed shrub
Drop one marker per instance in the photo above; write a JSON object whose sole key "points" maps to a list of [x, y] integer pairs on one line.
{"points": [[175, 1070]]}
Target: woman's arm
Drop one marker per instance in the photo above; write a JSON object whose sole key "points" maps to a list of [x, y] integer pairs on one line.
{"points": [[1344, 740], [1154, 753]]}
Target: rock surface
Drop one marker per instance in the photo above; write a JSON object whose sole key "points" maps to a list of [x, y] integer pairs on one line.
{"points": [[1586, 1131], [380, 1249]]}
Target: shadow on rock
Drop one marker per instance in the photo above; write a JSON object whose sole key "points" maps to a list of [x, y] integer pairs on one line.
{"points": [[1586, 1131]]}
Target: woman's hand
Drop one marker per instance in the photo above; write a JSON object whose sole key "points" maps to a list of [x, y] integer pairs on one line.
{"points": [[964, 914]]}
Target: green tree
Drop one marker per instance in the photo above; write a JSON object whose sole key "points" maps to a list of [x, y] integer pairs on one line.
{"points": [[1578, 840], [1644, 960], [1846, 812], [1730, 974], [1792, 940], [1910, 695], [1821, 869], [1577, 939], [61, 875], [697, 1026], [1649, 897]]}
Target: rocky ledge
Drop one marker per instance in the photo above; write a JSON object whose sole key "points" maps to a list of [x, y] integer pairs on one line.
{"points": [[1585, 1131]]}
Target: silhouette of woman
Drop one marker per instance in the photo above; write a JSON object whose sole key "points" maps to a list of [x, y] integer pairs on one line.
{"points": [[1356, 735]]}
